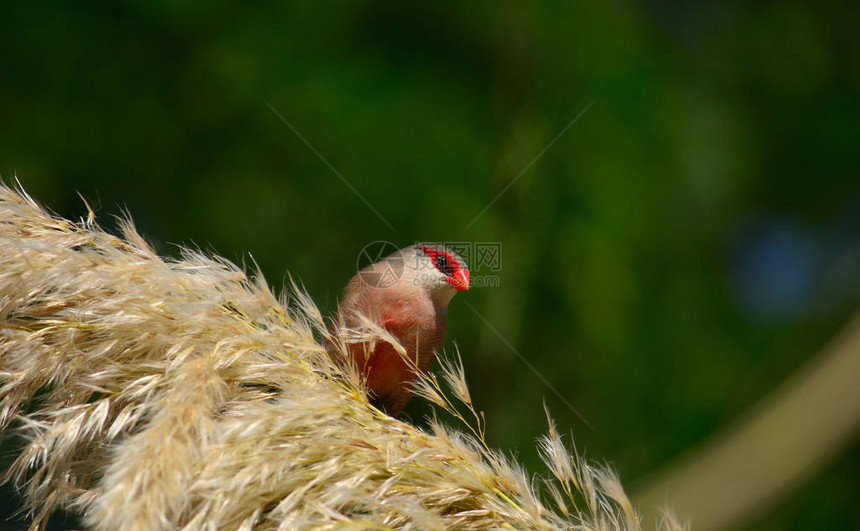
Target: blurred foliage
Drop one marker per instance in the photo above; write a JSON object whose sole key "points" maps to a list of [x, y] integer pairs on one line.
{"points": [[689, 242]]}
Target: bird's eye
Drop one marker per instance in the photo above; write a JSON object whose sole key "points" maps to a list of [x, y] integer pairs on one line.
{"points": [[442, 264]]}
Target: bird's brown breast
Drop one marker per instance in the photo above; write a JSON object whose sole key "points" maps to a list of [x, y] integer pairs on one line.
{"points": [[418, 325]]}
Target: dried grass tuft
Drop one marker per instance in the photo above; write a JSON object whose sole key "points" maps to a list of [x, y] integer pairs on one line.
{"points": [[181, 394]]}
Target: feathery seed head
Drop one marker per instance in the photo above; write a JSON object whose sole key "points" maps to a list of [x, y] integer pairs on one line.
{"points": [[181, 394]]}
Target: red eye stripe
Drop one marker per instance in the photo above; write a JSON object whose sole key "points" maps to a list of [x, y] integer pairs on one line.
{"points": [[432, 253]]}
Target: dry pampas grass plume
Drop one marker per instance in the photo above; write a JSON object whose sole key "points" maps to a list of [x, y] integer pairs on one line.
{"points": [[153, 393]]}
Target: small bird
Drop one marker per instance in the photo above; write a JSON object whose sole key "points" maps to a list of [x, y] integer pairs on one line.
{"points": [[407, 294]]}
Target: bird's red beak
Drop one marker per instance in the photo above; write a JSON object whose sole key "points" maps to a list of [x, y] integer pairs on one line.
{"points": [[460, 279]]}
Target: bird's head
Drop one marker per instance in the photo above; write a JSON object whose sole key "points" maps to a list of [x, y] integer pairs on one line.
{"points": [[438, 269], [429, 267]]}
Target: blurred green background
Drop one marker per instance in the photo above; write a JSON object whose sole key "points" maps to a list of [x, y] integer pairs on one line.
{"points": [[684, 246]]}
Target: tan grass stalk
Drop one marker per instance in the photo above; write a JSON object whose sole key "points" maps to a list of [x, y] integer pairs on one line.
{"points": [[181, 394], [782, 441]]}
